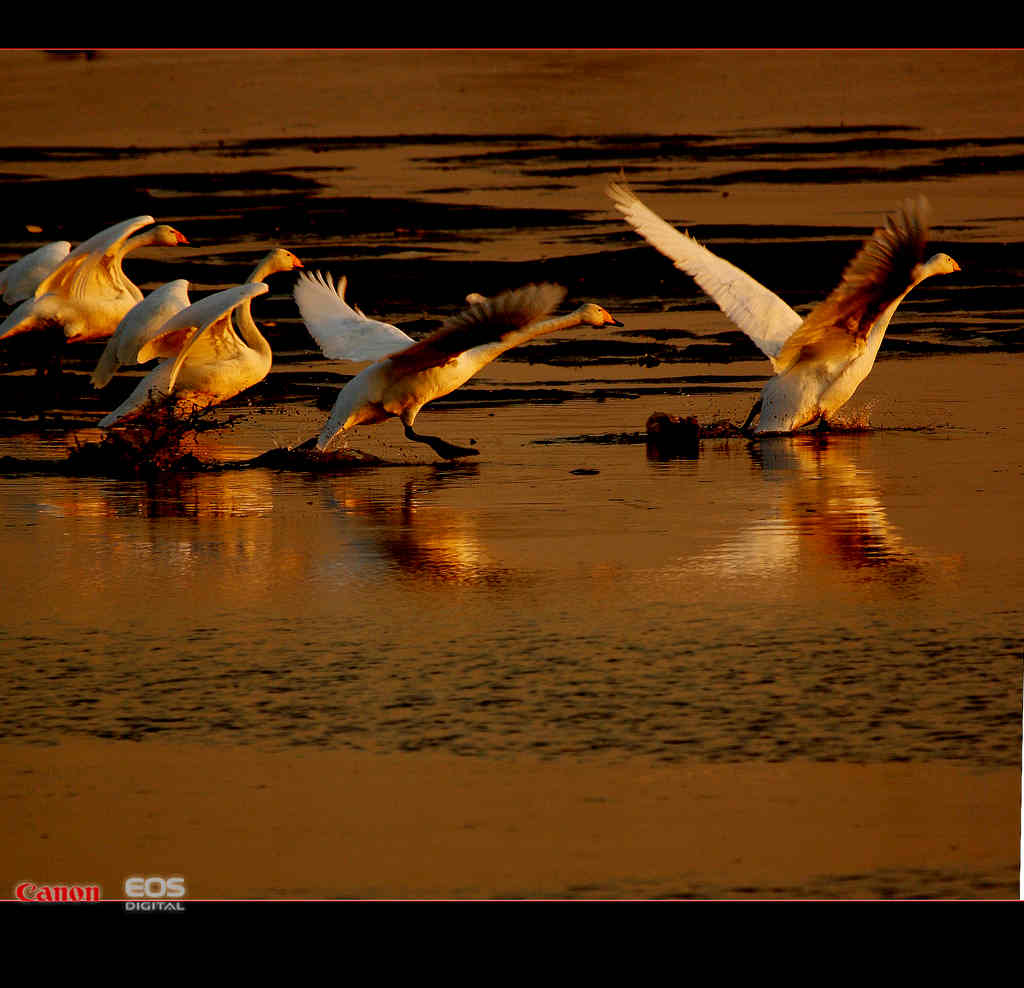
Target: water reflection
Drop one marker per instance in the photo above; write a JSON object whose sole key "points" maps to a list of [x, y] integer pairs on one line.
{"points": [[827, 516], [411, 530], [221, 494], [225, 529]]}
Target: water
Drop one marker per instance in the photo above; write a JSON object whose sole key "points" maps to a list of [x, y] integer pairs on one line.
{"points": [[848, 597]]}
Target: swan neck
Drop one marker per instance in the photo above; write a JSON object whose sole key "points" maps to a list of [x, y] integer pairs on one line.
{"points": [[884, 318], [132, 243], [541, 327], [249, 331], [117, 255], [260, 272]]}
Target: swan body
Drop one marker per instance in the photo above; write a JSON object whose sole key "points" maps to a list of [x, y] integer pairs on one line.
{"points": [[819, 361], [401, 383], [18, 281], [88, 294], [214, 361]]}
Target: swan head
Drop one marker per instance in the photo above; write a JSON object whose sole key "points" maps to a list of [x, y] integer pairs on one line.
{"points": [[277, 260], [591, 314], [936, 264], [166, 236], [943, 264]]}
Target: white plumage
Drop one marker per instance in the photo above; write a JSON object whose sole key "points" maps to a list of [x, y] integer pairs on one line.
{"points": [[138, 336], [18, 281], [341, 331]]}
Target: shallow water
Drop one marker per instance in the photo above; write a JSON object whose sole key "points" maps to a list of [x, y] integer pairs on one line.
{"points": [[844, 597]]}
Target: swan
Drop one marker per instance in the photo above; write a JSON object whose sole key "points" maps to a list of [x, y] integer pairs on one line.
{"points": [[140, 335], [407, 375], [820, 360], [18, 281], [213, 362], [88, 294]]}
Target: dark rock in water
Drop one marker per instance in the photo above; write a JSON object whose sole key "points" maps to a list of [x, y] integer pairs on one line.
{"points": [[306, 457], [669, 435]]}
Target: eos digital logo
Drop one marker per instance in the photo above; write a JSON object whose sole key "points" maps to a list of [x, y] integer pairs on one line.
{"points": [[154, 894]]}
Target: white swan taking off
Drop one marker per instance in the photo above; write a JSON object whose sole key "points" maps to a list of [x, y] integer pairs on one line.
{"points": [[223, 366], [141, 335], [819, 360], [407, 375], [209, 360]]}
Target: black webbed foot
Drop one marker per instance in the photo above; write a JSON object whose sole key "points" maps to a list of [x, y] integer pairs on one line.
{"points": [[448, 450]]}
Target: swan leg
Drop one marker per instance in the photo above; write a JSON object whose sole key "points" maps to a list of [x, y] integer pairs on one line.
{"points": [[439, 446], [49, 375], [750, 418]]}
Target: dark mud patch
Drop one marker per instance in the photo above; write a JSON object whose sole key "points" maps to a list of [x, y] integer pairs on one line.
{"points": [[670, 434], [111, 457], [312, 461], [596, 439], [720, 429]]}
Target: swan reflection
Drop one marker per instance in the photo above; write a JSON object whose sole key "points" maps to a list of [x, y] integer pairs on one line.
{"points": [[409, 528], [827, 514]]}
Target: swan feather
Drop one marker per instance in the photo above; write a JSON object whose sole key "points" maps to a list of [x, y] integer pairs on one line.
{"points": [[341, 331], [756, 310], [18, 281]]}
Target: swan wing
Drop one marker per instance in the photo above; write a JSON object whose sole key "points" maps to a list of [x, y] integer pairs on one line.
{"points": [[140, 335], [18, 281], [760, 313], [87, 266], [880, 273], [341, 331], [209, 320], [147, 333], [491, 320]]}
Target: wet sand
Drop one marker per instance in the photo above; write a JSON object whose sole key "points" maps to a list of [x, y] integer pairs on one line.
{"points": [[332, 824], [243, 821]]}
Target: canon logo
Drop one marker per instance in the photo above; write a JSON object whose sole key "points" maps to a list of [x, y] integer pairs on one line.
{"points": [[30, 892]]}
